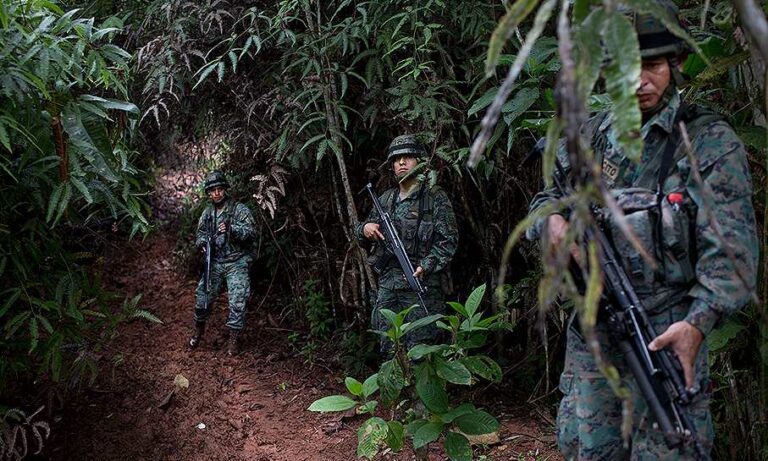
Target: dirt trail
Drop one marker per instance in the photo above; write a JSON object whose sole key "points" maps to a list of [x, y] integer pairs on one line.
{"points": [[253, 406]]}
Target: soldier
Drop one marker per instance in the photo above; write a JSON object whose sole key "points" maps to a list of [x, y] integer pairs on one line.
{"points": [[425, 222], [694, 285], [230, 225]]}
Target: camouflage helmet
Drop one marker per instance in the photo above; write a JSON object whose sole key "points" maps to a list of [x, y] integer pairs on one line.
{"points": [[215, 178], [654, 38], [406, 144]]}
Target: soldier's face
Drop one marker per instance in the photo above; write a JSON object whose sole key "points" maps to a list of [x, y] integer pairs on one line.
{"points": [[655, 77], [217, 194], [403, 165]]}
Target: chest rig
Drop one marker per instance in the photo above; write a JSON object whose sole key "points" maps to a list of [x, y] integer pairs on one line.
{"points": [[661, 213], [415, 225]]}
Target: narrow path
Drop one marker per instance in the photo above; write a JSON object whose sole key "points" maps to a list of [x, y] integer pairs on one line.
{"points": [[253, 407]]}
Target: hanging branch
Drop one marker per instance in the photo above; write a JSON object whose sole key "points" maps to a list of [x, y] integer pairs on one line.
{"points": [[492, 115]]}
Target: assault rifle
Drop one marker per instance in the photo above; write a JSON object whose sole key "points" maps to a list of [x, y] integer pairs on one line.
{"points": [[659, 375], [209, 246], [394, 245]]}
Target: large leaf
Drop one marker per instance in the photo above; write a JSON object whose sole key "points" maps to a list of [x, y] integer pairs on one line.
{"points": [[354, 386], [452, 371], [622, 78], [462, 409], [477, 423], [420, 350], [473, 301], [391, 381], [427, 433], [520, 102], [370, 436], [395, 435], [484, 367], [457, 447], [589, 51], [420, 323], [332, 403], [430, 390], [370, 385]]}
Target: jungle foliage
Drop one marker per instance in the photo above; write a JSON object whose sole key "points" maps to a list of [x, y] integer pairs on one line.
{"points": [[297, 100], [66, 175]]}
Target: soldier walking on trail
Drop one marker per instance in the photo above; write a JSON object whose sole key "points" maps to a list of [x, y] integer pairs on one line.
{"points": [[230, 227], [696, 283], [424, 220]]}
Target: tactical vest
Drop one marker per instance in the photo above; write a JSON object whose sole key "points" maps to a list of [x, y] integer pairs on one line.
{"points": [[416, 229], [662, 220]]}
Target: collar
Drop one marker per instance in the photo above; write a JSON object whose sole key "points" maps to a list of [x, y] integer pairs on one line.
{"points": [[665, 118]]}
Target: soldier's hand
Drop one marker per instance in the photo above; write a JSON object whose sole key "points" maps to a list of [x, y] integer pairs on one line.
{"points": [[419, 272], [556, 228], [685, 341], [372, 231], [222, 228]]}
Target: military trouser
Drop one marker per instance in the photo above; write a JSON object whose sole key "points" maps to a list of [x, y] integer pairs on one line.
{"points": [[238, 286], [590, 415], [397, 300]]}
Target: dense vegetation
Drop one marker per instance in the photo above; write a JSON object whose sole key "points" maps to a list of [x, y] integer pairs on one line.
{"points": [[297, 101]]}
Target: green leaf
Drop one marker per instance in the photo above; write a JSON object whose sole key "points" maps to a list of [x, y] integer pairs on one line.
{"points": [[452, 371], [622, 78], [458, 307], [332, 403], [477, 423], [420, 323], [473, 301], [353, 386], [54, 201], [370, 435], [34, 334], [720, 337], [457, 447], [484, 367], [589, 47], [520, 102], [395, 435], [427, 433], [483, 101], [420, 350], [514, 16], [370, 385], [463, 409], [391, 381], [430, 391]]}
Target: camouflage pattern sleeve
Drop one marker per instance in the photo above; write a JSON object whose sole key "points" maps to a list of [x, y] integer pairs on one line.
{"points": [[373, 217], [202, 233], [243, 228], [446, 235], [719, 290]]}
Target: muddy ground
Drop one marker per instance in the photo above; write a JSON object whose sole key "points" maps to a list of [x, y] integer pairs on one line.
{"points": [[249, 407]]}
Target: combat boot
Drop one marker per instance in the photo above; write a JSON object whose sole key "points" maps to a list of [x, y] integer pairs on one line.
{"points": [[198, 336], [232, 342]]}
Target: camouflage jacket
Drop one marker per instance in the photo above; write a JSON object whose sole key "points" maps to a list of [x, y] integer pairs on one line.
{"points": [[241, 233], [432, 247], [714, 289]]}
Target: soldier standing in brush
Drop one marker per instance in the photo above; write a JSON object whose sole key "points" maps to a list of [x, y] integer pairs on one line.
{"points": [[702, 274], [425, 222], [229, 228]]}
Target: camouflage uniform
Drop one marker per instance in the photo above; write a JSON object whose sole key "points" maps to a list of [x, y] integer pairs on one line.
{"points": [[430, 241], [231, 259], [696, 281]]}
